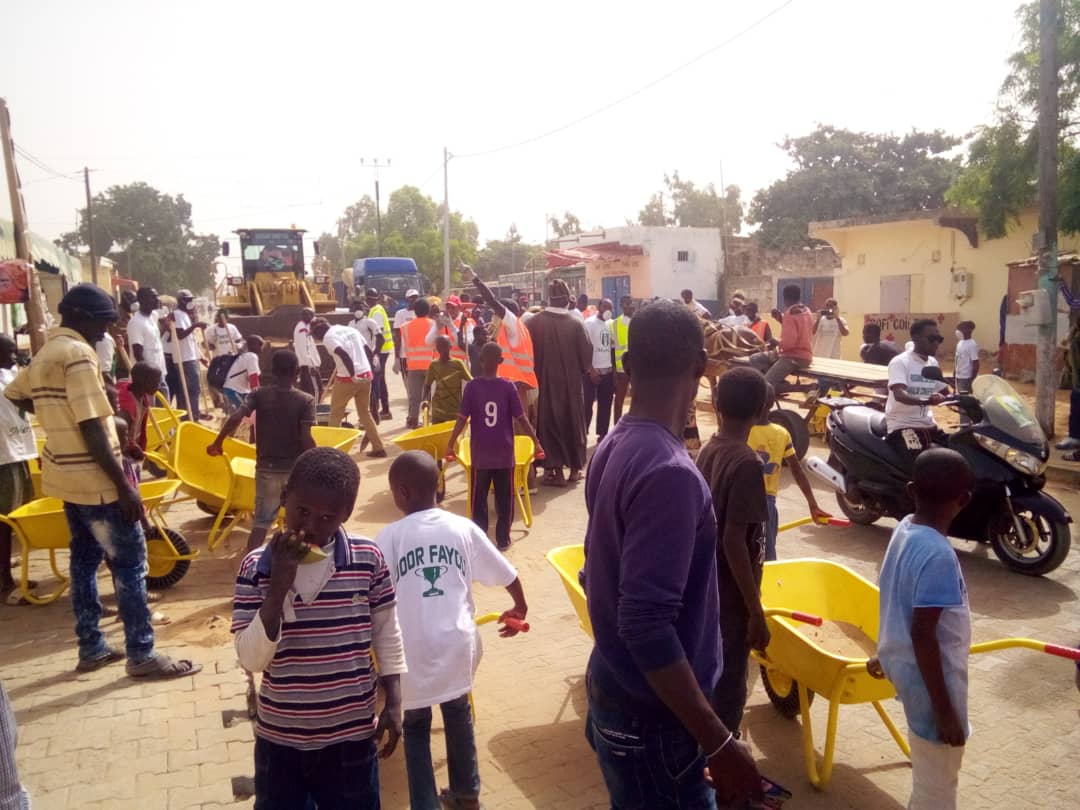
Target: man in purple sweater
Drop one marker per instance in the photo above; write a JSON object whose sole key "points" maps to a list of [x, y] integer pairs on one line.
{"points": [[650, 578]]}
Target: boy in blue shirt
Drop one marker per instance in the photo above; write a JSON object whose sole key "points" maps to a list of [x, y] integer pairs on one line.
{"points": [[925, 627]]}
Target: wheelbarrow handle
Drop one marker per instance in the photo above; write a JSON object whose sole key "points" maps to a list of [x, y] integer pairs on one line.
{"points": [[841, 523], [511, 622], [797, 615], [1029, 643]]}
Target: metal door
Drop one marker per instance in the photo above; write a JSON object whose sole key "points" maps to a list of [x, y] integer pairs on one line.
{"points": [[614, 288]]}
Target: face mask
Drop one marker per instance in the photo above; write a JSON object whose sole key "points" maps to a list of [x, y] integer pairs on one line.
{"points": [[606, 316], [959, 335]]}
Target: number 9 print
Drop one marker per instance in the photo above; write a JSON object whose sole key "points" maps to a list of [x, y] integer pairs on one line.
{"points": [[491, 413]]}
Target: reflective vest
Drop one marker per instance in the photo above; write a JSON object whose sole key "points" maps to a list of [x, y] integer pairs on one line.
{"points": [[759, 328], [517, 363], [456, 352], [388, 338], [620, 331], [418, 353]]}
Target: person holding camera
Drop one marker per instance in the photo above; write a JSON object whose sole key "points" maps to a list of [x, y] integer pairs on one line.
{"points": [[829, 328]]}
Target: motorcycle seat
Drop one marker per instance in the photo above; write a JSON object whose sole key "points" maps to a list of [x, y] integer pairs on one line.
{"points": [[868, 429], [878, 426]]}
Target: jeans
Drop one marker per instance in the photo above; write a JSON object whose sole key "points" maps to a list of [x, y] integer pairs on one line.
{"points": [[172, 381], [311, 382], [460, 754], [343, 776], [646, 766], [729, 694], [772, 526], [502, 480], [163, 387], [269, 484], [1074, 413], [99, 531], [414, 387], [380, 394], [191, 377], [359, 391], [779, 371], [602, 394]]}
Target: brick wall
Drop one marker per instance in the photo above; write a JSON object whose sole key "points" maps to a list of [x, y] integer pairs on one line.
{"points": [[757, 271]]}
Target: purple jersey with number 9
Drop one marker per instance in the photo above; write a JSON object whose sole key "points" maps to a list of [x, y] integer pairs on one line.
{"points": [[491, 405]]}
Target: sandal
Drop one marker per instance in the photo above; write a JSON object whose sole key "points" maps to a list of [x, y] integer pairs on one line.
{"points": [[1074, 456], [162, 668], [110, 656], [553, 478], [576, 476]]}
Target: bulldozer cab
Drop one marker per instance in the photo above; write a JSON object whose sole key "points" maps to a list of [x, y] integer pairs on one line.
{"points": [[272, 262]]}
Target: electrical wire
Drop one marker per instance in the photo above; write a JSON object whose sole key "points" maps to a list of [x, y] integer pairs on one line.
{"points": [[40, 164], [633, 93]]}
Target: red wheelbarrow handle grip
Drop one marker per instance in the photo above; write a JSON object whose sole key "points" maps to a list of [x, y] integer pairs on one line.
{"points": [[1064, 652], [516, 624], [807, 618]]}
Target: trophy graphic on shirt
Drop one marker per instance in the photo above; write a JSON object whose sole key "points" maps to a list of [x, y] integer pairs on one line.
{"points": [[432, 573]]}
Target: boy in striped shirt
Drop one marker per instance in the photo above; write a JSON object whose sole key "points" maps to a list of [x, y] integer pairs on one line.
{"points": [[310, 608]]}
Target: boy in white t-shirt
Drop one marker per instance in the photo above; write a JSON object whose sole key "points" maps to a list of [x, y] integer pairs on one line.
{"points": [[434, 557], [967, 357], [243, 375], [17, 448]]}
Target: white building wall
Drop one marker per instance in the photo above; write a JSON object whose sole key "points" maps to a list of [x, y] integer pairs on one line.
{"points": [[679, 258]]}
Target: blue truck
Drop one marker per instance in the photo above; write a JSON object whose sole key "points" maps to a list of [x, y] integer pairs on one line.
{"points": [[392, 275]]}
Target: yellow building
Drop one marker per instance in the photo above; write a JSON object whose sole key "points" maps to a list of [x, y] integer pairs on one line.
{"points": [[928, 263]]}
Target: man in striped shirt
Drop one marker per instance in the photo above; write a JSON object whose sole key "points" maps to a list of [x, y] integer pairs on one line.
{"points": [[310, 608]]}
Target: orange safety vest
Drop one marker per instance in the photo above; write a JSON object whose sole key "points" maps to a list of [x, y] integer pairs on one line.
{"points": [[517, 364], [456, 352], [759, 329], [418, 354]]}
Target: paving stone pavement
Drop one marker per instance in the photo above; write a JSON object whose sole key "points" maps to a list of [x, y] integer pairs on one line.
{"points": [[102, 740]]}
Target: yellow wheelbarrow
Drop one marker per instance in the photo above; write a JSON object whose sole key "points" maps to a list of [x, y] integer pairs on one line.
{"points": [[41, 526], [795, 666], [431, 439], [524, 453]]}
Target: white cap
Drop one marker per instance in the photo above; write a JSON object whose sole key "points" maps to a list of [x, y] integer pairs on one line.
{"points": [[411, 293]]}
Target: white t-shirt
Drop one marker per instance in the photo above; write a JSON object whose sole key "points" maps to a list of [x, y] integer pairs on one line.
{"points": [[402, 317], [599, 332], [906, 368], [698, 308], [734, 320], [368, 328], [434, 557], [16, 436], [577, 314], [348, 340], [967, 354], [827, 338], [219, 337], [188, 349], [304, 346], [142, 330], [106, 353], [239, 379]]}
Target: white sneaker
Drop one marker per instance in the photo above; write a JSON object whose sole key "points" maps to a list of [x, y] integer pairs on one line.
{"points": [[1068, 444]]}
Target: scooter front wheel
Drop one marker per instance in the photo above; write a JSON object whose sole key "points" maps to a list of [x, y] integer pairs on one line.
{"points": [[1041, 547]]}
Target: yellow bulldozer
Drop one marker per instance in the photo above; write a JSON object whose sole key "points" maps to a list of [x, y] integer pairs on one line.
{"points": [[273, 274]]}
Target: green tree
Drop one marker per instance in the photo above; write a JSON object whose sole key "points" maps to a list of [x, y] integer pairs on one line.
{"points": [[999, 179], [332, 249], [150, 237], [568, 226], [839, 173], [693, 207], [507, 255], [411, 226]]}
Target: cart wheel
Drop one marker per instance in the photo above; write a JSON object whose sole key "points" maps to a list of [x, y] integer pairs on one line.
{"points": [[795, 425], [163, 570], [208, 509], [783, 691]]}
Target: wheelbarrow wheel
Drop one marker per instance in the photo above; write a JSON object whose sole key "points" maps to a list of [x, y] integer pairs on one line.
{"points": [[795, 424], [783, 691], [164, 571], [208, 509]]}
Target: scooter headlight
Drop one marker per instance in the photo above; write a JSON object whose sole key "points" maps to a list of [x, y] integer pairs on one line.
{"points": [[1024, 462]]}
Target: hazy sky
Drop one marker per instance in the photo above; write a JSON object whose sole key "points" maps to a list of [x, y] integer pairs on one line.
{"points": [[259, 112]]}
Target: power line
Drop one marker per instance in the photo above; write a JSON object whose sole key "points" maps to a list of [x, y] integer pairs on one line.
{"points": [[40, 164], [633, 93]]}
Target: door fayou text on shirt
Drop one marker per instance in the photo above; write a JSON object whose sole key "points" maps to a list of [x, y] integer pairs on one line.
{"points": [[435, 557]]}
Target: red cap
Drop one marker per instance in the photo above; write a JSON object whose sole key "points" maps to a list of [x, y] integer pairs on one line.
{"points": [[453, 299]]}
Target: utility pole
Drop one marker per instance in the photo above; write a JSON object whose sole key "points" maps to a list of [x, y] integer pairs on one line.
{"points": [[1046, 239], [373, 163], [446, 223], [35, 314], [90, 228]]}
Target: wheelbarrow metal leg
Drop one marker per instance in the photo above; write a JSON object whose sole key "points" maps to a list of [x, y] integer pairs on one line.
{"points": [[893, 730]]}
